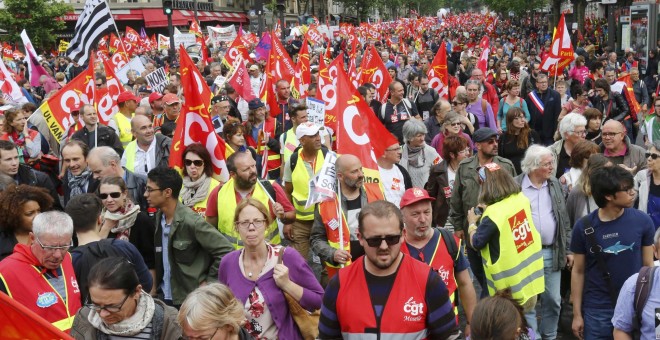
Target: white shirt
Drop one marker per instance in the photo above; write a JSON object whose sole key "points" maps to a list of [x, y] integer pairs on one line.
{"points": [[392, 180], [144, 160]]}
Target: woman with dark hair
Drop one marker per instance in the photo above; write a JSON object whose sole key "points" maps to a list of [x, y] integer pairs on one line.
{"points": [[117, 307], [578, 103], [441, 179], [594, 126], [27, 141], [499, 317], [26, 89], [234, 134], [123, 220], [19, 204], [611, 104], [512, 100], [198, 181], [518, 136], [258, 279], [510, 260]]}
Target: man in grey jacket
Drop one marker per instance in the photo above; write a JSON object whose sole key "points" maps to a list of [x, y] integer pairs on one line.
{"points": [[551, 220], [618, 149]]}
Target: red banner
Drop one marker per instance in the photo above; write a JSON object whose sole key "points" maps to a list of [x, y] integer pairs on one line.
{"points": [[236, 49], [300, 83], [106, 99], [281, 63], [373, 70], [131, 41], [240, 81], [194, 125], [438, 75]]}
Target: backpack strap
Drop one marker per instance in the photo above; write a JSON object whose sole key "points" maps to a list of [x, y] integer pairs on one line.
{"points": [[597, 250], [642, 292], [294, 157], [450, 242]]}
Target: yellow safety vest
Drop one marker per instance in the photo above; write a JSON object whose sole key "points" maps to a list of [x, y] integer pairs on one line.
{"points": [[520, 264], [300, 181], [227, 207], [130, 150], [200, 207], [124, 126], [290, 144]]}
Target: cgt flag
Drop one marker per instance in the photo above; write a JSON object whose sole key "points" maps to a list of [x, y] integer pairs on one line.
{"points": [[373, 70], [240, 80], [438, 75], [194, 125]]}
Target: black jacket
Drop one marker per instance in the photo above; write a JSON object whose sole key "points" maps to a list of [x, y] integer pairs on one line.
{"points": [[29, 176], [438, 181], [545, 123], [92, 185], [136, 185], [106, 137], [615, 107]]}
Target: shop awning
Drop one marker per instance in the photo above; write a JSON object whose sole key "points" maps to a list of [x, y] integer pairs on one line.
{"points": [[154, 17], [216, 16]]}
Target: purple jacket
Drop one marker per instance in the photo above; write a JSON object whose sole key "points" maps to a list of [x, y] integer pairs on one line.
{"points": [[299, 272]]}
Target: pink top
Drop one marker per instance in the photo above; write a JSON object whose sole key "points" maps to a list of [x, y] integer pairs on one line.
{"points": [[579, 73]]}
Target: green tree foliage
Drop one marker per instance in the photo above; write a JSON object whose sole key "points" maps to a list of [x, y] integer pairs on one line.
{"points": [[516, 6], [40, 18]]}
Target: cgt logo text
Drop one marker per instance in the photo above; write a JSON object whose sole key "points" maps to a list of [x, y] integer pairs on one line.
{"points": [[416, 310]]}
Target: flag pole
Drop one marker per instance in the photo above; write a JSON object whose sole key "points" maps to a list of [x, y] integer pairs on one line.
{"points": [[121, 41], [556, 71], [339, 216]]}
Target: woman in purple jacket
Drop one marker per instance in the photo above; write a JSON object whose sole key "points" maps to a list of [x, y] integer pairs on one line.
{"points": [[258, 281]]}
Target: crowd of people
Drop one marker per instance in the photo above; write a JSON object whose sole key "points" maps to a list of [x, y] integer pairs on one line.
{"points": [[518, 197]]}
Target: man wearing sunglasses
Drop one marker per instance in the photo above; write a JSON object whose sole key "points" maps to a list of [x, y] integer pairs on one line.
{"points": [[39, 275], [386, 293], [148, 150]]}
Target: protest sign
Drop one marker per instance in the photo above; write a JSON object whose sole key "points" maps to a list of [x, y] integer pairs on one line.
{"points": [[157, 80]]}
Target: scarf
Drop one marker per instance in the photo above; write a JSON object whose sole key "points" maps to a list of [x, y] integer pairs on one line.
{"points": [[194, 191], [126, 218], [18, 138], [77, 183], [415, 156], [133, 325]]}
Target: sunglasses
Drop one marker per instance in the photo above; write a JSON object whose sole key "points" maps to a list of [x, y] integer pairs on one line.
{"points": [[112, 194], [456, 103], [190, 162], [99, 85], [375, 242], [653, 156]]}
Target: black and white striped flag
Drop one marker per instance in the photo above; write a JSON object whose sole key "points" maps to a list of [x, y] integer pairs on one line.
{"points": [[94, 22]]}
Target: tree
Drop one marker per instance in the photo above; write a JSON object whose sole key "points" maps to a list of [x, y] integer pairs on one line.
{"points": [[40, 18], [518, 7]]}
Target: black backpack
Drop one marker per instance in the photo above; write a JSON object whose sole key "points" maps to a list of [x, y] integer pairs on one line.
{"points": [[450, 242]]}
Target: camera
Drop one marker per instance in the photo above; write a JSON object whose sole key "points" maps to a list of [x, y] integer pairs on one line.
{"points": [[478, 211]]}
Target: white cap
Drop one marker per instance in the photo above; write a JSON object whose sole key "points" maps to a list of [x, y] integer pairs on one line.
{"points": [[306, 129]]}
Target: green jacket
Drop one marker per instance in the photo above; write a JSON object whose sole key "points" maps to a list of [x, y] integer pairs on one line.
{"points": [[465, 193], [195, 249]]}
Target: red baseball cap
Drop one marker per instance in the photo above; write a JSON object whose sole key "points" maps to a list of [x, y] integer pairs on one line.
{"points": [[414, 195], [154, 96], [170, 99], [126, 96]]}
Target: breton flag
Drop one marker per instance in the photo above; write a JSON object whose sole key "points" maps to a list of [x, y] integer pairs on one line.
{"points": [[94, 22]]}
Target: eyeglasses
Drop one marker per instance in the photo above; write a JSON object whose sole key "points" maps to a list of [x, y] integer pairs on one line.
{"points": [[246, 224], [99, 85], [610, 134], [653, 156], [546, 165], [150, 190], [454, 124], [580, 133], [53, 248], [109, 308], [456, 103], [375, 242], [631, 191], [197, 162], [200, 337], [104, 196]]}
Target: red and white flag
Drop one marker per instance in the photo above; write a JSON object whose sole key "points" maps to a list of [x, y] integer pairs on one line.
{"points": [[561, 52], [11, 92], [373, 70], [194, 125], [302, 79], [438, 74], [106, 99], [482, 64], [240, 80], [236, 49]]}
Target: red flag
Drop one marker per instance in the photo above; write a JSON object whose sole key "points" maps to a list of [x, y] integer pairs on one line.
{"points": [[114, 42], [18, 322], [106, 99], [199, 38], [281, 63], [359, 132], [267, 92], [328, 78], [303, 77], [628, 92], [57, 109], [7, 51], [131, 41], [438, 75], [352, 73], [119, 58], [373, 70], [561, 51], [194, 125], [313, 35], [240, 80], [236, 49]]}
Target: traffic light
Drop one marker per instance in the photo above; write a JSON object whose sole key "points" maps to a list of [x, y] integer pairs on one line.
{"points": [[167, 7], [281, 5]]}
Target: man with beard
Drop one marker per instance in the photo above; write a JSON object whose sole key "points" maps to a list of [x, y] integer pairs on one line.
{"points": [[78, 178], [467, 186], [355, 194], [156, 104], [386, 293], [149, 150], [242, 184], [438, 248]]}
